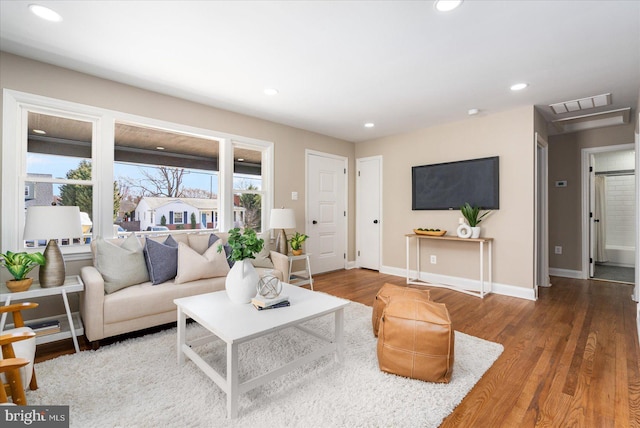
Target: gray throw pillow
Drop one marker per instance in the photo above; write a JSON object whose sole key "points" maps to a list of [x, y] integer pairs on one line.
{"points": [[161, 259], [120, 266]]}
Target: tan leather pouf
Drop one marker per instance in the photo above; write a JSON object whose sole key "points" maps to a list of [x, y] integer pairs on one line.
{"points": [[416, 340], [385, 293]]}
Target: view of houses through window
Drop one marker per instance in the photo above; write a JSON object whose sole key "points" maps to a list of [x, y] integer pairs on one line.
{"points": [[163, 180]]}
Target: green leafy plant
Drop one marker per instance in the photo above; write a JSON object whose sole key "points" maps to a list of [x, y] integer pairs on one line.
{"points": [[243, 245], [297, 240], [20, 264], [472, 214]]}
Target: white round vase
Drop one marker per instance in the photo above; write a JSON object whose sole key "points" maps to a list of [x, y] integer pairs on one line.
{"points": [[241, 282], [464, 231]]}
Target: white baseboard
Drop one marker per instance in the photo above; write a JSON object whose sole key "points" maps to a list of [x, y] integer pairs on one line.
{"points": [[566, 273], [464, 283], [350, 265]]}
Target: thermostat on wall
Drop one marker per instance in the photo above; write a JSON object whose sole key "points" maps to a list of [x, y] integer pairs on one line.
{"points": [[562, 183]]}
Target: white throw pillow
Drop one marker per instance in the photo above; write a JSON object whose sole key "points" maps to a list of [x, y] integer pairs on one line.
{"points": [[193, 266], [120, 266]]}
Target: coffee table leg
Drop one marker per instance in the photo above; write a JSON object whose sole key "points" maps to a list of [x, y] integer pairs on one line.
{"points": [[232, 380], [339, 335], [182, 323]]}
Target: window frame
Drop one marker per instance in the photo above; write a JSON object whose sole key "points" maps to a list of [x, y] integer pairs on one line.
{"points": [[16, 106]]}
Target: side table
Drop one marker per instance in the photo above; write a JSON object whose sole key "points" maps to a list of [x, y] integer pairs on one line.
{"points": [[302, 277], [72, 284]]}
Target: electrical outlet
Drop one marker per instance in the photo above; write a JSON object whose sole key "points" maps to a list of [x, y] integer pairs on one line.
{"points": [[434, 260], [558, 249]]}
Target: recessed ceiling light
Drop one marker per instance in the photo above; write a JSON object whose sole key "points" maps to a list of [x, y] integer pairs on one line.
{"points": [[160, 148], [271, 91], [39, 131], [447, 5], [519, 86], [45, 13], [473, 111], [369, 125]]}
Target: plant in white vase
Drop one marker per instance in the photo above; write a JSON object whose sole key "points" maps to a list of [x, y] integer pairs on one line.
{"points": [[242, 279], [474, 216]]}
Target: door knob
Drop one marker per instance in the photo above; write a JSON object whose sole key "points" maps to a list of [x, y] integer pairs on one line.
{"points": [[314, 222], [375, 221]]}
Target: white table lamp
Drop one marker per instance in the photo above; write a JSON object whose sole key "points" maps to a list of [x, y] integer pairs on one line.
{"points": [[282, 218], [52, 223]]}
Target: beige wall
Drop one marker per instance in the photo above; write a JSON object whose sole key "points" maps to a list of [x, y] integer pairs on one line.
{"points": [[21, 74], [565, 203], [508, 135]]}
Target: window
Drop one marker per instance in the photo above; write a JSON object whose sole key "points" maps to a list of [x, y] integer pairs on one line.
{"points": [[127, 170], [58, 167], [247, 187], [167, 174]]}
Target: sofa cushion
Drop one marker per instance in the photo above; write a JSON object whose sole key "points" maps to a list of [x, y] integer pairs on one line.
{"points": [[161, 259], [200, 242], [262, 259], [193, 266], [120, 266], [144, 300]]}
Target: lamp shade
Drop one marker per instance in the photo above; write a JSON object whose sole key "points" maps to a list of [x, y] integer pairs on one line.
{"points": [[52, 222], [282, 218]]}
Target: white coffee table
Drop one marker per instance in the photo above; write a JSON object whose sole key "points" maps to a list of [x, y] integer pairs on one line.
{"points": [[235, 324]]}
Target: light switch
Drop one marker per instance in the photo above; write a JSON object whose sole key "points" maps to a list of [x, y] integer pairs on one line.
{"points": [[294, 196]]}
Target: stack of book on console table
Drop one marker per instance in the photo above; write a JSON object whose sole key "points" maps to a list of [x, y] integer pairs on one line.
{"points": [[41, 328], [261, 303]]}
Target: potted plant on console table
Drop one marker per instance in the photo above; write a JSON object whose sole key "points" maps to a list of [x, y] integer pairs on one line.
{"points": [[19, 265], [474, 217], [242, 279]]}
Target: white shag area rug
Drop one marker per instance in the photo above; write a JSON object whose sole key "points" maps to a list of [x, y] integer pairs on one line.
{"points": [[138, 383]]}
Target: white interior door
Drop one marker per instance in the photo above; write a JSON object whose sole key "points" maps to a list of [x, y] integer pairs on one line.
{"points": [[326, 211], [542, 215], [368, 212], [592, 209]]}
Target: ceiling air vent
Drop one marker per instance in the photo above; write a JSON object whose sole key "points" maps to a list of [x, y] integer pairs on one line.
{"points": [[581, 104]]}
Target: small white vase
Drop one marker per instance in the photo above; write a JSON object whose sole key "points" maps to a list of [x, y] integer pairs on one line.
{"points": [[464, 231], [241, 282], [475, 232]]}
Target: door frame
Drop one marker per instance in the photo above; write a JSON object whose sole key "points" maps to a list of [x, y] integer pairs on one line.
{"points": [[345, 161], [541, 223], [358, 210], [586, 224]]}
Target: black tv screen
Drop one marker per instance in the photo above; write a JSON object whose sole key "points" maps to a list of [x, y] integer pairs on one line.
{"points": [[448, 186]]}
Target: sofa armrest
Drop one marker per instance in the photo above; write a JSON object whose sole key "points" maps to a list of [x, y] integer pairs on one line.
{"points": [[281, 263], [92, 303]]}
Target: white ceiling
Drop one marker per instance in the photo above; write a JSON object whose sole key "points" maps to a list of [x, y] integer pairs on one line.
{"points": [[339, 64]]}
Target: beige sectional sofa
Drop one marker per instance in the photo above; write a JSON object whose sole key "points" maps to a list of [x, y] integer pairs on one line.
{"points": [[109, 310]]}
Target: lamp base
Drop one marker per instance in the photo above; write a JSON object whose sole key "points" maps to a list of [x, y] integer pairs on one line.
{"points": [[52, 274], [282, 245]]}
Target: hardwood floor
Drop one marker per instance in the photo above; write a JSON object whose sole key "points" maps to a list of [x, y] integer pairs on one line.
{"points": [[571, 359]]}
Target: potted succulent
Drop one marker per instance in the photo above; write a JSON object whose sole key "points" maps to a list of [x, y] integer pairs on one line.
{"points": [[474, 217], [296, 243], [242, 279], [19, 265]]}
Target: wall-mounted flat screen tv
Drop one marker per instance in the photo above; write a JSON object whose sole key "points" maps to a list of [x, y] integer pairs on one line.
{"points": [[448, 186]]}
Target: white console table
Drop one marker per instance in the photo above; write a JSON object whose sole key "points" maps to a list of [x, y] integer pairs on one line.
{"points": [[68, 328], [426, 238]]}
